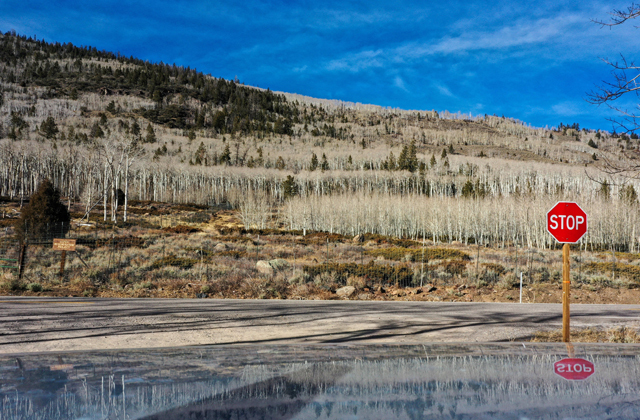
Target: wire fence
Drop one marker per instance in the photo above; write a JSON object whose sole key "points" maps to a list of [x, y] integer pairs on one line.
{"points": [[152, 258]]}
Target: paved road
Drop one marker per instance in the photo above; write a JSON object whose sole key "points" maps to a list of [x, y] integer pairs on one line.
{"points": [[52, 324]]}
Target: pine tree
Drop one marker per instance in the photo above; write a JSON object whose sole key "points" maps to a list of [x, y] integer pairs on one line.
{"points": [[324, 166], [49, 128], [225, 157], [45, 217], [403, 159], [151, 134], [391, 162], [628, 194], [200, 154], [289, 187], [314, 162]]}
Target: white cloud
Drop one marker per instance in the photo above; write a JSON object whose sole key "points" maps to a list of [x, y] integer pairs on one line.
{"points": [[443, 90], [399, 83], [517, 35], [569, 108], [357, 62]]}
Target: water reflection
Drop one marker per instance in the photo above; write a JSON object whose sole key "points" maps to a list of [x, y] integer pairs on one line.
{"points": [[507, 381]]}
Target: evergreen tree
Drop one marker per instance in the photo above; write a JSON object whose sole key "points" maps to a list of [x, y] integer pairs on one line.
{"points": [[403, 159], [433, 162], [289, 187], [467, 189], [45, 217], [391, 162], [49, 129], [225, 157], [200, 154], [135, 129], [151, 135], [324, 166], [191, 135], [628, 194], [605, 190], [96, 131], [314, 162]]}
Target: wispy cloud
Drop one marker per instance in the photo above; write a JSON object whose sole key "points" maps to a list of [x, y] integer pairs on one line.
{"points": [[443, 90], [522, 33], [359, 61], [399, 83]]}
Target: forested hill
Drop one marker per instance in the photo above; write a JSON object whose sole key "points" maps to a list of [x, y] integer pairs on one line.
{"points": [[184, 97], [106, 129]]}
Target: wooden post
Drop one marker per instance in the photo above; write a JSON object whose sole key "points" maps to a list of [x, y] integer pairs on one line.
{"points": [[63, 260], [23, 253], [566, 289]]}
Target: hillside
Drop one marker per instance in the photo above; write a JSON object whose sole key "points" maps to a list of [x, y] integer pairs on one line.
{"points": [[96, 122]]}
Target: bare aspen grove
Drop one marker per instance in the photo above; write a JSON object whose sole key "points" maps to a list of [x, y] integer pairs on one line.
{"points": [[109, 131]]}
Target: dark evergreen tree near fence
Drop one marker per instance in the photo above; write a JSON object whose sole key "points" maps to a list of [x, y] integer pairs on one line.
{"points": [[44, 217]]}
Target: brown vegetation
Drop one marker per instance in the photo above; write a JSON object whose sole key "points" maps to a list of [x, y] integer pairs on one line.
{"points": [[219, 259]]}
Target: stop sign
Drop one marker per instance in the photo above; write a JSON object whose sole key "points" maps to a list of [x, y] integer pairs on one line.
{"points": [[574, 369], [567, 222]]}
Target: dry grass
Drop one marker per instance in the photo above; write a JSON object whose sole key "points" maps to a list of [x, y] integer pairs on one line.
{"points": [[187, 261], [591, 335]]}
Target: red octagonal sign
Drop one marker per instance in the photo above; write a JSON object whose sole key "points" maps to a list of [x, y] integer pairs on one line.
{"points": [[567, 222], [574, 369]]}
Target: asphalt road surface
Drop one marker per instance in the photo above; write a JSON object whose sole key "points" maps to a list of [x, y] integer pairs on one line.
{"points": [[64, 324]]}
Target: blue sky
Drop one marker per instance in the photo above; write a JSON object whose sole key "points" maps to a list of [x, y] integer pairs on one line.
{"points": [[533, 62]]}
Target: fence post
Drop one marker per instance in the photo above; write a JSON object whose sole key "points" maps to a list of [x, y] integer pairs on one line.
{"points": [[23, 251]]}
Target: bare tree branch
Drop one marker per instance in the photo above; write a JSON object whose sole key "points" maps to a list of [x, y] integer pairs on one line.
{"points": [[619, 17], [626, 78]]}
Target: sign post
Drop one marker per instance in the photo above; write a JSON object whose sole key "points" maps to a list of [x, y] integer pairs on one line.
{"points": [[63, 245], [567, 222]]}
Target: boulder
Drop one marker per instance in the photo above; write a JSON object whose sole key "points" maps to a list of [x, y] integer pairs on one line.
{"points": [[221, 247], [358, 239], [264, 267], [346, 291], [364, 296], [429, 288]]}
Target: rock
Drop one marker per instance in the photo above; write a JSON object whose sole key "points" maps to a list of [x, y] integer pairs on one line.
{"points": [[358, 239], [264, 267], [418, 291], [221, 247], [202, 295], [371, 243], [380, 289], [364, 296], [429, 288], [346, 291]]}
